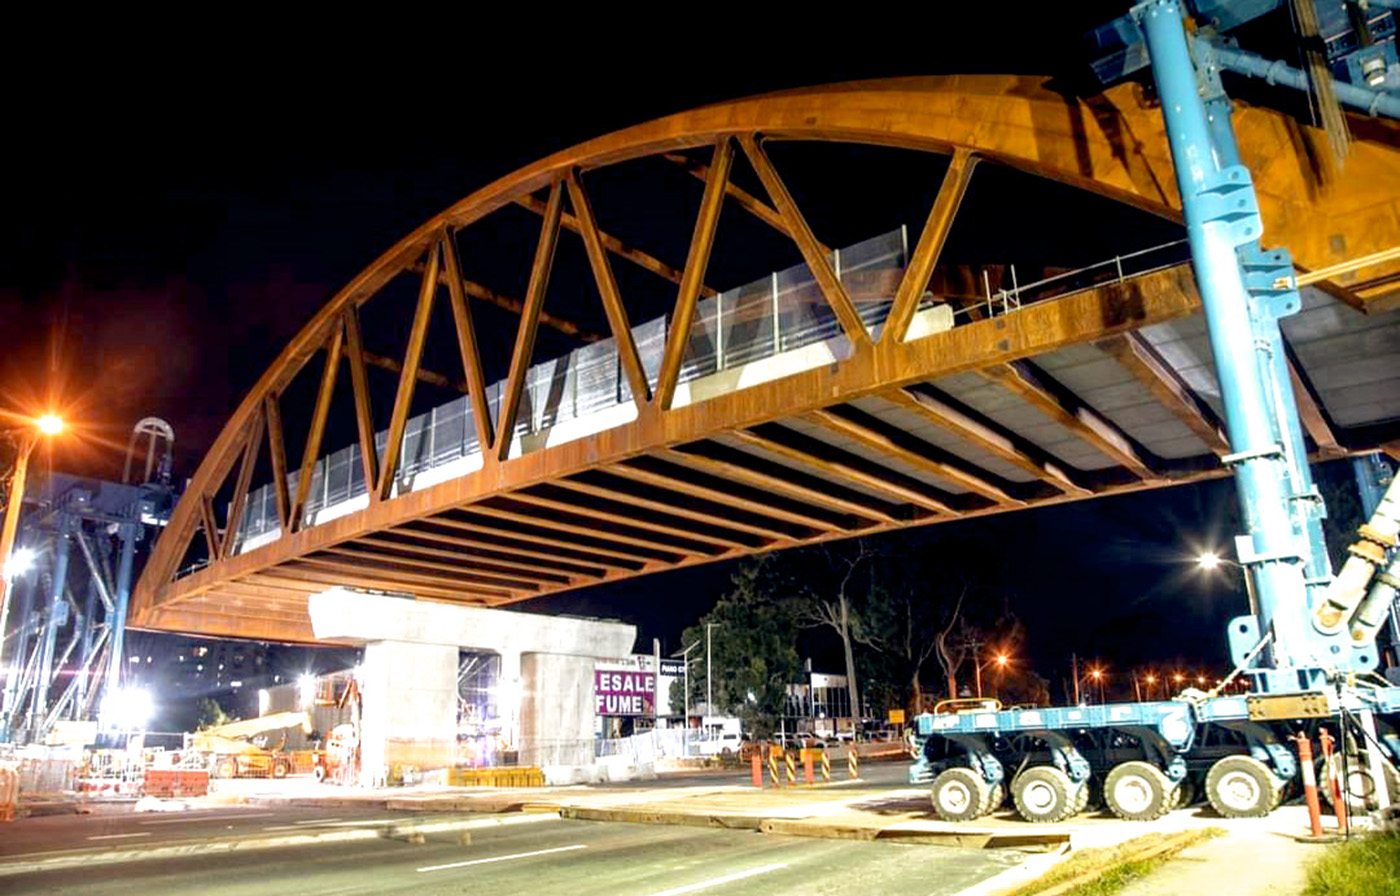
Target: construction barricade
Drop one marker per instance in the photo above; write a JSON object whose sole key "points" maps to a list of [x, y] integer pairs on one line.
{"points": [[9, 790], [175, 782]]}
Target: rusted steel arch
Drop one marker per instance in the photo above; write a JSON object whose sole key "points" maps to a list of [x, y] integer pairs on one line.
{"points": [[1111, 145]]}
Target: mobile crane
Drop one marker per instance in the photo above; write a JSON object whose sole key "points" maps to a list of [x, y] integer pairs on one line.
{"points": [[1307, 648]]}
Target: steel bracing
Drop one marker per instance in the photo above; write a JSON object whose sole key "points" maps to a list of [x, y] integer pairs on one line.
{"points": [[1030, 397]]}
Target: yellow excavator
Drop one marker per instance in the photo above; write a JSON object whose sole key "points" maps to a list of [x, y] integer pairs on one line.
{"points": [[231, 751]]}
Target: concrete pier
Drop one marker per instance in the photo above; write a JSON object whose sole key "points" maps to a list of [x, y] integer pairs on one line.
{"points": [[409, 676]]}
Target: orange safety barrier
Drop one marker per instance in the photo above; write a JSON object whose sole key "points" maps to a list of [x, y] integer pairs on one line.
{"points": [[1305, 763], [9, 791], [175, 782]]}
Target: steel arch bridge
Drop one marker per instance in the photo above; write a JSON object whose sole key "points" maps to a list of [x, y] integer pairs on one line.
{"points": [[906, 407]]}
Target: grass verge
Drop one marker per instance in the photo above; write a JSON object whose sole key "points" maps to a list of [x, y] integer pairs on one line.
{"points": [[1365, 866], [1108, 870]]}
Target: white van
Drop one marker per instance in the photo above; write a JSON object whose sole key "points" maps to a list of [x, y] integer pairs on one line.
{"points": [[717, 735]]}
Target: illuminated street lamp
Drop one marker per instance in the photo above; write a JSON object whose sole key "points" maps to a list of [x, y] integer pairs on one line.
{"points": [[1209, 561], [999, 659], [1098, 676], [11, 566]]}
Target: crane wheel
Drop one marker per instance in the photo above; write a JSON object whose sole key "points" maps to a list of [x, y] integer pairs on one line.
{"points": [[1138, 791], [319, 773], [279, 769], [959, 794], [226, 768], [1043, 794], [1081, 796], [1185, 792], [1242, 787], [996, 795]]}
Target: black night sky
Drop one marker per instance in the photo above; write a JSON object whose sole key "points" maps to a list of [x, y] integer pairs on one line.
{"points": [[175, 208]]}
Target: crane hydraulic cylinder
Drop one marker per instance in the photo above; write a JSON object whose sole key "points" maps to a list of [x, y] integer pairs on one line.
{"points": [[1364, 556]]}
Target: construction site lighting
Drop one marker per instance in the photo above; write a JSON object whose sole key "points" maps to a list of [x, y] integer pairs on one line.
{"points": [[49, 425], [20, 562], [1208, 560], [128, 709], [306, 689]]}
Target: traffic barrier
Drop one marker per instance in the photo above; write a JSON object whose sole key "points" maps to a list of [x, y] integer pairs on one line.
{"points": [[1305, 761], [807, 765], [826, 766], [790, 760], [757, 769], [9, 791], [773, 754], [1339, 802], [853, 762]]}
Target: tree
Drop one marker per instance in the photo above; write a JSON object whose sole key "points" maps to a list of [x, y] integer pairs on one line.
{"points": [[753, 648], [934, 599], [827, 601], [210, 714]]}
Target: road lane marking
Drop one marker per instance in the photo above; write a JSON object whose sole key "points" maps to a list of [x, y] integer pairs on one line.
{"points": [[190, 819], [319, 821], [518, 855], [728, 878], [119, 836]]}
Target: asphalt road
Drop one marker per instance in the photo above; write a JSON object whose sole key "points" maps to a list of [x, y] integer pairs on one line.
{"points": [[54, 833], [544, 856]]}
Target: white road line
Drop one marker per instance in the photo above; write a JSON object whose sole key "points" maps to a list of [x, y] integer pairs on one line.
{"points": [[280, 827], [705, 884], [518, 855], [189, 819], [319, 821], [119, 836], [354, 823]]}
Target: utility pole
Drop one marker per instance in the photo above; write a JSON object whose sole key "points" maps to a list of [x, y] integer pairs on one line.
{"points": [[1074, 670]]}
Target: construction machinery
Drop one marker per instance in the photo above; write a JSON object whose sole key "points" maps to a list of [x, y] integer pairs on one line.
{"points": [[239, 749], [1307, 649]]}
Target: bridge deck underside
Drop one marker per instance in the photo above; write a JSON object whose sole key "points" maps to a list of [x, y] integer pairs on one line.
{"points": [[1102, 392]]}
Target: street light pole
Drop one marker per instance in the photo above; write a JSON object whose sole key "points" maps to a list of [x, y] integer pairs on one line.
{"points": [[709, 695], [685, 684]]}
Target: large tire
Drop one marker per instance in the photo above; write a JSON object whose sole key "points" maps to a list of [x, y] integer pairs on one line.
{"points": [[996, 795], [1081, 796], [1138, 791], [280, 767], [1043, 794], [1185, 792], [959, 794], [226, 768], [319, 773], [1242, 787]]}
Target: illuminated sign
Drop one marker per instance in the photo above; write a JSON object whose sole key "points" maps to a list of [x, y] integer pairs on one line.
{"points": [[624, 692]]}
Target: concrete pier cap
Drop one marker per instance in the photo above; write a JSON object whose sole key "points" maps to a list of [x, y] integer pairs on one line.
{"points": [[408, 679]]}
